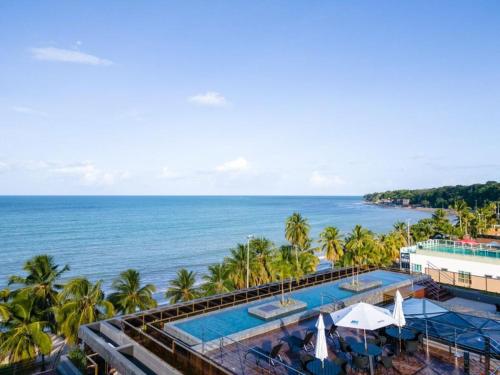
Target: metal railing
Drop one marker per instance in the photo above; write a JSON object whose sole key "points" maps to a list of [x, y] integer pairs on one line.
{"points": [[241, 359], [462, 280], [203, 305], [456, 248]]}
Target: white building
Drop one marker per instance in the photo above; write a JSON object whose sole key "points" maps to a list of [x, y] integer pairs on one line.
{"points": [[453, 256]]}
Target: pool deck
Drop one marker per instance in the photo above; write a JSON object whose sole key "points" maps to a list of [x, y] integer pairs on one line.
{"points": [[373, 296], [438, 361]]}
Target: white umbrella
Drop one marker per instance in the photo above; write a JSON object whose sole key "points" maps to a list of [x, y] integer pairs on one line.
{"points": [[321, 349], [398, 313], [363, 316]]}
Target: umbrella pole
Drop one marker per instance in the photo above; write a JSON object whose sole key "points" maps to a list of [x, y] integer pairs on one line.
{"points": [[399, 339], [366, 345]]}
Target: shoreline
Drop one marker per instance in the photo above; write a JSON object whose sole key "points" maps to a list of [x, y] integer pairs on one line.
{"points": [[420, 209]]}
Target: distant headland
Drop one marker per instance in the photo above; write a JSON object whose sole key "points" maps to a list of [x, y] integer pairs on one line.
{"points": [[476, 195]]}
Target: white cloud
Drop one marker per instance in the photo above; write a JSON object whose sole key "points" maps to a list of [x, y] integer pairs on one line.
{"points": [[67, 55], [321, 180], [4, 166], [89, 174], [29, 111], [210, 99], [168, 173], [237, 165]]}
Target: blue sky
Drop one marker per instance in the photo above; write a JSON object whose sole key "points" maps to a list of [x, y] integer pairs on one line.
{"points": [[247, 97]]}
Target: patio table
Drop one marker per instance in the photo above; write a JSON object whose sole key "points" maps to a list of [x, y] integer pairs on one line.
{"points": [[371, 351], [406, 334], [328, 368]]}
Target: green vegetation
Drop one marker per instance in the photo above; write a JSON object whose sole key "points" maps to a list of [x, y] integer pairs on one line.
{"points": [[129, 295], [444, 197], [38, 304], [77, 356]]}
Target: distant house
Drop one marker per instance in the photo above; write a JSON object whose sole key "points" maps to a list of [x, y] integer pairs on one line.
{"points": [[402, 202]]}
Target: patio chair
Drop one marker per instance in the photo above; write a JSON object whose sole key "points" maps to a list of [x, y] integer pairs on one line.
{"points": [[382, 340], [360, 363], [386, 361], [273, 357], [306, 343], [305, 358], [420, 339], [342, 363], [411, 347], [344, 346]]}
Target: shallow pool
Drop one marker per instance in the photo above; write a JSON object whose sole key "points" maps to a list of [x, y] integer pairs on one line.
{"points": [[235, 319]]}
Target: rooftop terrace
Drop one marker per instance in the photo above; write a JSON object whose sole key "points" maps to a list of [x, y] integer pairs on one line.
{"points": [[447, 247], [219, 333]]}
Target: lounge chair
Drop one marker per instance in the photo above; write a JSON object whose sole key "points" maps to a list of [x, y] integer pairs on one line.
{"points": [[302, 344], [272, 357], [332, 331]]}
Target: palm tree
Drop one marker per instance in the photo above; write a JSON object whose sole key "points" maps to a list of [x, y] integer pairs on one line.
{"points": [[42, 283], [422, 230], [390, 247], [4, 307], [129, 295], [237, 265], [182, 288], [358, 244], [23, 336], [400, 230], [331, 244], [281, 267], [297, 232], [262, 249], [217, 281], [440, 222], [81, 302], [460, 208]]}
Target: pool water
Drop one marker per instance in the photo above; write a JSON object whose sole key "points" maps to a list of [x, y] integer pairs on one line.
{"points": [[231, 320], [463, 251]]}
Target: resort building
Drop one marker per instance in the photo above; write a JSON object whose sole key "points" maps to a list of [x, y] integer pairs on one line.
{"points": [[460, 263], [251, 331]]}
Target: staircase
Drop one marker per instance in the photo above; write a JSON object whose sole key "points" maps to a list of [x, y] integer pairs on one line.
{"points": [[435, 291]]}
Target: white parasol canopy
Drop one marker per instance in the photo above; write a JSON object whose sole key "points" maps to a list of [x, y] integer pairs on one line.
{"points": [[363, 316], [398, 313], [321, 349]]}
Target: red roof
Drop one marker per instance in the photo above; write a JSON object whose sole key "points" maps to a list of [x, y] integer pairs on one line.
{"points": [[468, 241]]}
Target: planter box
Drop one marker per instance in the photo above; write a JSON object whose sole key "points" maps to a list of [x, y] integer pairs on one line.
{"points": [[361, 286], [275, 309]]}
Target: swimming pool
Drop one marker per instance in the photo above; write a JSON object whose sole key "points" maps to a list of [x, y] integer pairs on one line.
{"points": [[235, 319], [463, 250]]}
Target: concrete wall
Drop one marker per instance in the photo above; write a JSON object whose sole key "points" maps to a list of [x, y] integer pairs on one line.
{"points": [[114, 355]]}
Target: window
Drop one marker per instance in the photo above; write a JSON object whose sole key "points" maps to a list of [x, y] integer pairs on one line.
{"points": [[464, 277], [416, 267]]}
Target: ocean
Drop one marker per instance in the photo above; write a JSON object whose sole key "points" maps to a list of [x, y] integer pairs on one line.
{"points": [[100, 236]]}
